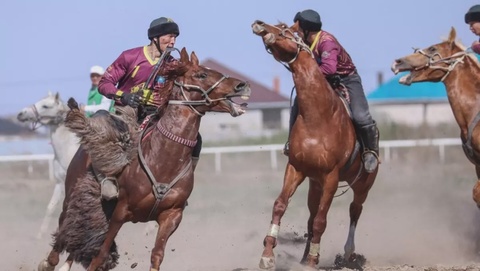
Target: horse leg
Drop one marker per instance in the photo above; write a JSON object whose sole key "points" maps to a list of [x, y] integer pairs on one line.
{"points": [[314, 192], [292, 180], [53, 257], [360, 194], [476, 188], [168, 222], [116, 222], [330, 186], [56, 196]]}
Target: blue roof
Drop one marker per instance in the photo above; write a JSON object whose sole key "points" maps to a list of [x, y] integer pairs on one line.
{"points": [[392, 91]]}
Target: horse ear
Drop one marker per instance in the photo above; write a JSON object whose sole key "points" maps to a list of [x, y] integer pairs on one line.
{"points": [[184, 56], [194, 58], [453, 35], [57, 96], [50, 93]]}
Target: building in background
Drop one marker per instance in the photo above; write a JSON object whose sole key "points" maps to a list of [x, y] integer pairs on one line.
{"points": [[413, 105], [267, 113]]}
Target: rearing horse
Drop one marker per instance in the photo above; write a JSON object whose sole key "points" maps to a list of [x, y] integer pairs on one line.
{"points": [[87, 233], [323, 147], [459, 71]]}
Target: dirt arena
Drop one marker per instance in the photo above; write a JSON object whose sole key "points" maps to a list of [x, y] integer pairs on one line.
{"points": [[419, 216]]}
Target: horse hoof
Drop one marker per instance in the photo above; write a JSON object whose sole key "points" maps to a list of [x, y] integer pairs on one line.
{"points": [[267, 263], [45, 266]]}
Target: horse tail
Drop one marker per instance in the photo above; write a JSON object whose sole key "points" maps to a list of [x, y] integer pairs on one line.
{"points": [[86, 222], [109, 139]]}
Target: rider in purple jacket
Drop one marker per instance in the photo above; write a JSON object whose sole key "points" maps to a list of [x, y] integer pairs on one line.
{"points": [[125, 79]]}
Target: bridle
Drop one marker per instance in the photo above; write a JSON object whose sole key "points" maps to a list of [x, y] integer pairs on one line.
{"points": [[293, 37], [206, 99], [40, 121], [451, 61]]}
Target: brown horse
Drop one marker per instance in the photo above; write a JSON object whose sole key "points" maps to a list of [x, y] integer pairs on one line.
{"points": [[87, 231], [448, 62], [323, 147]]}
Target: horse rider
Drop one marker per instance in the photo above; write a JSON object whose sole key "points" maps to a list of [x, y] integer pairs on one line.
{"points": [[125, 79], [96, 101], [337, 66], [472, 18]]}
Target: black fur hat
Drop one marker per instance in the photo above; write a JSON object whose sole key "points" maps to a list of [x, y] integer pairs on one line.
{"points": [[473, 14], [309, 20], [162, 26]]}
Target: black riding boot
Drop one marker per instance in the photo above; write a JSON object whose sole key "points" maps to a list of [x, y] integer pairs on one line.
{"points": [[370, 137], [293, 117]]}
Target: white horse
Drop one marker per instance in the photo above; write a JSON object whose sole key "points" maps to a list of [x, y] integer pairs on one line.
{"points": [[50, 112]]}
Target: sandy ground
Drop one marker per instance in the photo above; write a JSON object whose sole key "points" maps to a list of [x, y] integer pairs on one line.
{"points": [[419, 216]]}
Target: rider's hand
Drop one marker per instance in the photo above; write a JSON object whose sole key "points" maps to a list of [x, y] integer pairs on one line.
{"points": [[131, 99]]}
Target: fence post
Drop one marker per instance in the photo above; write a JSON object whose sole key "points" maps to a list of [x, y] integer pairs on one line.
{"points": [[387, 154], [441, 150], [218, 162], [273, 158]]}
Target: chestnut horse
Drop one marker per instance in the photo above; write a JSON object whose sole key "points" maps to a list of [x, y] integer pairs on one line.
{"points": [[323, 147], [167, 149], [459, 71]]}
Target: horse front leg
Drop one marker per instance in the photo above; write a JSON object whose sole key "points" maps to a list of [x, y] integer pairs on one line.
{"points": [[313, 202], [56, 196], [168, 222], [330, 185], [292, 180], [476, 188], [116, 222]]}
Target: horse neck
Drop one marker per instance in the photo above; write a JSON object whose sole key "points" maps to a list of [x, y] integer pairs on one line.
{"points": [[64, 143], [463, 91], [314, 94], [180, 121]]}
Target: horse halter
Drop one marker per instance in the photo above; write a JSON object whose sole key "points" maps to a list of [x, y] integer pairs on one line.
{"points": [[295, 39], [40, 121], [451, 61], [205, 101]]}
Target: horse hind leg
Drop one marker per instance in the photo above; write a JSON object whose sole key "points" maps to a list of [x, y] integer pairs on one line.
{"points": [[292, 180], [168, 222], [360, 194]]}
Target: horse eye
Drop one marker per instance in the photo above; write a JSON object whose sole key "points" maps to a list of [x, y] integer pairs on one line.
{"points": [[201, 75], [432, 49], [45, 106]]}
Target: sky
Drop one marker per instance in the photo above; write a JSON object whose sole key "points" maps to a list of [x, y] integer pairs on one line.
{"points": [[50, 45]]}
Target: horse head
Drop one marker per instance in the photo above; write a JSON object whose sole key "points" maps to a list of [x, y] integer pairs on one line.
{"points": [[283, 42], [47, 111], [205, 90], [431, 64]]}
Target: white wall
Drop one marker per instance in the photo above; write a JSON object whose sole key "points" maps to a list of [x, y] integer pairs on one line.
{"points": [[413, 114]]}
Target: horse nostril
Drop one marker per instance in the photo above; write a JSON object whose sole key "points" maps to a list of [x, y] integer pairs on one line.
{"points": [[240, 86], [259, 22], [398, 61]]}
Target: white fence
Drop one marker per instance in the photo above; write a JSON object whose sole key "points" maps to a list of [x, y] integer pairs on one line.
{"points": [[387, 146]]}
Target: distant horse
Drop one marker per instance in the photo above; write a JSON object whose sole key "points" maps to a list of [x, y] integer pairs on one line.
{"points": [[323, 147], [50, 111], [86, 231], [459, 71]]}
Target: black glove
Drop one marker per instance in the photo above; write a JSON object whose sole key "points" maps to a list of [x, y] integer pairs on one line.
{"points": [[131, 99]]}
